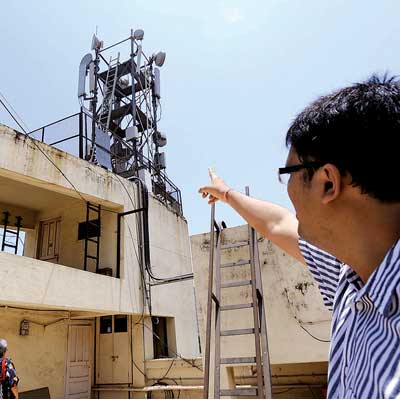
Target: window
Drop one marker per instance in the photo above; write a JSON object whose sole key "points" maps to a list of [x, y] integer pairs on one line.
{"points": [[160, 340], [120, 324], [10, 241], [106, 324]]}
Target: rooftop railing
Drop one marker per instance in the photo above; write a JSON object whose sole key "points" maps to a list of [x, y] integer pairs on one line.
{"points": [[72, 135]]}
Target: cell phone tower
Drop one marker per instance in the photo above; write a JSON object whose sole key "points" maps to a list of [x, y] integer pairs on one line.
{"points": [[123, 101]]}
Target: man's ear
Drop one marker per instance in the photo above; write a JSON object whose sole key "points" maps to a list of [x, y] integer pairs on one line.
{"points": [[331, 179]]}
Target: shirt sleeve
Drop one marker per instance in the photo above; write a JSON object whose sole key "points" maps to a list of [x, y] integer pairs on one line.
{"points": [[11, 374], [325, 269]]}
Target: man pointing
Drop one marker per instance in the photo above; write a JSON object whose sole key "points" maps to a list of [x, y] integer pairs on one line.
{"points": [[342, 176]]}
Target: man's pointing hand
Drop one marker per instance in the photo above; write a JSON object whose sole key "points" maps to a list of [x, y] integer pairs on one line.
{"points": [[217, 190]]}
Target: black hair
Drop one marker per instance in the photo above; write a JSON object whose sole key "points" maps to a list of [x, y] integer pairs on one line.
{"points": [[357, 129]]}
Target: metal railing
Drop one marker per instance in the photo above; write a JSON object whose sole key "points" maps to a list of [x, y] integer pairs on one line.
{"points": [[72, 135]]}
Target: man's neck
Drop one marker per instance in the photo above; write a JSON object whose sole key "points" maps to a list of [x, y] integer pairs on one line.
{"points": [[362, 237]]}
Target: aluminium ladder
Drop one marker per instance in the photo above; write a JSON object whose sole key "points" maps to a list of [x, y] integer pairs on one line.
{"points": [[263, 388], [106, 107], [109, 92]]}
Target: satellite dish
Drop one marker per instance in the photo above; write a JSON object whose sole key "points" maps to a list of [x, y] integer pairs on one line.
{"points": [[159, 58], [96, 43], [138, 34]]}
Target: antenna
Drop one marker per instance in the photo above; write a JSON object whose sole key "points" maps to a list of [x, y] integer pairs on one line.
{"points": [[124, 96]]}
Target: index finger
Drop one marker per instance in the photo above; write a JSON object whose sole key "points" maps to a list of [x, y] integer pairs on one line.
{"points": [[211, 173]]}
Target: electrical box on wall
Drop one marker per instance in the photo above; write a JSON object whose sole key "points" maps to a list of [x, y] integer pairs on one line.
{"points": [[92, 228]]}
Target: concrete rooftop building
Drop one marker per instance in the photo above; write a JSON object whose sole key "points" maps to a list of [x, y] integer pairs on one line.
{"points": [[74, 331], [104, 292]]}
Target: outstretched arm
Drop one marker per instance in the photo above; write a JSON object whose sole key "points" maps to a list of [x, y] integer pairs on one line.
{"points": [[274, 222]]}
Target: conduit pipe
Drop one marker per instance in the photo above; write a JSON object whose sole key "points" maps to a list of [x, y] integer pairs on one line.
{"points": [[144, 209]]}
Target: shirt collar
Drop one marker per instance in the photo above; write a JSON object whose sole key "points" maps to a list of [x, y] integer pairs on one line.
{"points": [[383, 282]]}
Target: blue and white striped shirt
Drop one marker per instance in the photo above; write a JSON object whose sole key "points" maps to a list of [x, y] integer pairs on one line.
{"points": [[364, 360]]}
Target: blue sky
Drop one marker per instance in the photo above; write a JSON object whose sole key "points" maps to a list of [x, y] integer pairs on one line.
{"points": [[236, 74]]}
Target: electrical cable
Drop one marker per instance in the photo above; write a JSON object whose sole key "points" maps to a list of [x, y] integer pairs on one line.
{"points": [[15, 112], [133, 204], [168, 369], [47, 157], [145, 205], [169, 349], [5, 307], [12, 116], [38, 147], [314, 337], [295, 317], [46, 325], [284, 391]]}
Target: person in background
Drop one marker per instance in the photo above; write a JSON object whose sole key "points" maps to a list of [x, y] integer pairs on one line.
{"points": [[8, 375], [342, 176]]}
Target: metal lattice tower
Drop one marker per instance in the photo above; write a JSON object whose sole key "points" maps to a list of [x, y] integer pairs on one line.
{"points": [[123, 101]]}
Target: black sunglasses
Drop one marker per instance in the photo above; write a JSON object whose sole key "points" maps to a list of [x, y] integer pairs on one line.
{"points": [[297, 167]]}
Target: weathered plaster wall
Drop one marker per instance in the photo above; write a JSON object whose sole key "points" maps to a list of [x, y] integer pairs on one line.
{"points": [[291, 295], [28, 216], [30, 283], [22, 161], [71, 249], [39, 357], [170, 256], [37, 283]]}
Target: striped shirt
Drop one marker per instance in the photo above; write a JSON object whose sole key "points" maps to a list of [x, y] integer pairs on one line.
{"points": [[364, 360]]}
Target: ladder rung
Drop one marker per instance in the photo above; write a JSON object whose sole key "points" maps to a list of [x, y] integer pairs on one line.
{"points": [[238, 360], [93, 223], [236, 307], [239, 392], [92, 240], [235, 284], [234, 332], [13, 246], [92, 257], [235, 264], [235, 245]]}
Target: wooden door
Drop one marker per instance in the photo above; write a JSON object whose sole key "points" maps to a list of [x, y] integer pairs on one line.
{"points": [[78, 379], [122, 351], [49, 240], [113, 350]]}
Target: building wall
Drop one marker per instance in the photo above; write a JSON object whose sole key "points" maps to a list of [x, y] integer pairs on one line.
{"points": [[40, 357], [28, 216], [65, 286], [171, 256], [71, 249], [293, 301]]}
